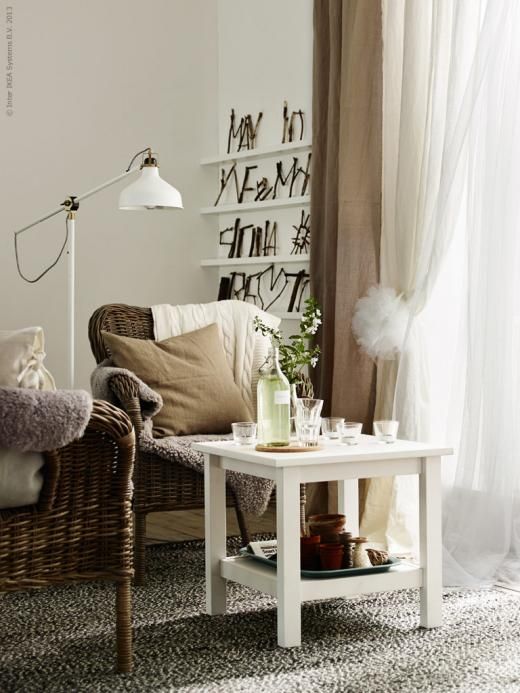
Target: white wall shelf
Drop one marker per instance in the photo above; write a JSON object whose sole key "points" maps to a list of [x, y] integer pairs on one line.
{"points": [[262, 260], [249, 154], [252, 206]]}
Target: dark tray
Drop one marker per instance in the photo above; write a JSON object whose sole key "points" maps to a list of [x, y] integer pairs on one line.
{"points": [[326, 574]]}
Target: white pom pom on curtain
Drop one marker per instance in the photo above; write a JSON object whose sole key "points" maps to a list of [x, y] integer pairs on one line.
{"points": [[380, 322]]}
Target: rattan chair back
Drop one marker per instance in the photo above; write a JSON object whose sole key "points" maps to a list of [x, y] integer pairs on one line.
{"points": [[118, 318], [159, 485]]}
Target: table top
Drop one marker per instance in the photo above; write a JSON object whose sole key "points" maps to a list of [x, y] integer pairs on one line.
{"points": [[369, 448]]}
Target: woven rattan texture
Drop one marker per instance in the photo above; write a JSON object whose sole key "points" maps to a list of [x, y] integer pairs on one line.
{"points": [[83, 530]]}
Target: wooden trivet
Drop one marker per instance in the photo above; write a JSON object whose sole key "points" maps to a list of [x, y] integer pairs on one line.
{"points": [[287, 448]]}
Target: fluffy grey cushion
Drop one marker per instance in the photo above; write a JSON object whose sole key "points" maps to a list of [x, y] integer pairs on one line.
{"points": [[42, 420]]}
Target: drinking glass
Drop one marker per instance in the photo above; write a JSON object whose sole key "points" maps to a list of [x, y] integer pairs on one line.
{"points": [[308, 432], [244, 432], [308, 410], [329, 426], [386, 431], [349, 432], [308, 420]]}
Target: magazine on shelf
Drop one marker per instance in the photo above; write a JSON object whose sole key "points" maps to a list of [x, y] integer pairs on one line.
{"points": [[264, 549]]}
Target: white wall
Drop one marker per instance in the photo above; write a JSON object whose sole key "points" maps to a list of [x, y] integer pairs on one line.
{"points": [[94, 82], [264, 59]]}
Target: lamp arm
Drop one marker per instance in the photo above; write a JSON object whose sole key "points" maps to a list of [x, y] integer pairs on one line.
{"points": [[108, 183], [38, 221], [64, 207], [69, 205]]}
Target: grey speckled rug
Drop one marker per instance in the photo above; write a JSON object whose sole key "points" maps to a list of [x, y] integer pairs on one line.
{"points": [[63, 640]]}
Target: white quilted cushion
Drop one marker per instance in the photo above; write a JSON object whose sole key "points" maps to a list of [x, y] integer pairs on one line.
{"points": [[21, 365], [21, 359], [21, 479]]}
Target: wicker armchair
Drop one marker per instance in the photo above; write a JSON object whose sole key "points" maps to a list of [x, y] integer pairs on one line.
{"points": [[158, 485], [81, 528]]}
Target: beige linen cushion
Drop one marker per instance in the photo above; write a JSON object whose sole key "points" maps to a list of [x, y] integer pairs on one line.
{"points": [[21, 359], [192, 375]]}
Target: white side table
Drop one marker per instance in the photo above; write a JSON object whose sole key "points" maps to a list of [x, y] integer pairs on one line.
{"points": [[338, 462]]}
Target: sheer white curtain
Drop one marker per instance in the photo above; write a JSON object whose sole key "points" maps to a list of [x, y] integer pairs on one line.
{"points": [[438, 57], [482, 503]]}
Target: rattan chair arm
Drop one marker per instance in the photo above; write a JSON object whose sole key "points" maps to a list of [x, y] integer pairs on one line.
{"points": [[104, 418], [64, 465], [127, 393], [109, 419], [86, 533]]}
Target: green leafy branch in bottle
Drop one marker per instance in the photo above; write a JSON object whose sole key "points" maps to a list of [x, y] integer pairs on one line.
{"points": [[296, 353]]}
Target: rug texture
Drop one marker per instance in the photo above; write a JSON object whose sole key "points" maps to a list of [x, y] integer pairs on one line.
{"points": [[62, 639]]}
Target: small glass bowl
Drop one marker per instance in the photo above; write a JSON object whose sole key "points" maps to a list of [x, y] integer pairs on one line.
{"points": [[329, 426], [244, 432], [386, 431], [350, 432]]}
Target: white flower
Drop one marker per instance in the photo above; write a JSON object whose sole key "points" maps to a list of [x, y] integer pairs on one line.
{"points": [[314, 361], [313, 328]]}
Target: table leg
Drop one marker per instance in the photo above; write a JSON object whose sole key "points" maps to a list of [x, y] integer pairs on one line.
{"points": [[215, 533], [288, 557], [431, 541], [348, 504]]}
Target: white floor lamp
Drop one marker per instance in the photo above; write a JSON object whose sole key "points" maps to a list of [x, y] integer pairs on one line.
{"points": [[149, 191]]}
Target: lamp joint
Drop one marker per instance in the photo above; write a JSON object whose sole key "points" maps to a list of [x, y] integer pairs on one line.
{"points": [[71, 203]]}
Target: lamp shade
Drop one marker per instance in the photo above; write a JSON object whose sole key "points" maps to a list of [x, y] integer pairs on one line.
{"points": [[150, 191]]}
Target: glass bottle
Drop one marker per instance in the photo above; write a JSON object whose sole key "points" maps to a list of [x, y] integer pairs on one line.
{"points": [[273, 403]]}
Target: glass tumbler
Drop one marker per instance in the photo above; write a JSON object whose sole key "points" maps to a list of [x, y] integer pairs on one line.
{"points": [[386, 431], [244, 432], [308, 420], [308, 410], [350, 432], [329, 426], [308, 433]]}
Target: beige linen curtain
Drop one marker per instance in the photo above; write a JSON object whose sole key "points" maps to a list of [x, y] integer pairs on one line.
{"points": [[346, 194]]}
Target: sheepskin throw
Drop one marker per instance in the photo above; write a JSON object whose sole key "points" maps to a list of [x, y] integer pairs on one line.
{"points": [[33, 421], [252, 493], [150, 401], [41, 420]]}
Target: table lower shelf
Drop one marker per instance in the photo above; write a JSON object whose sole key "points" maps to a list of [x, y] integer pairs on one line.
{"points": [[251, 573]]}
